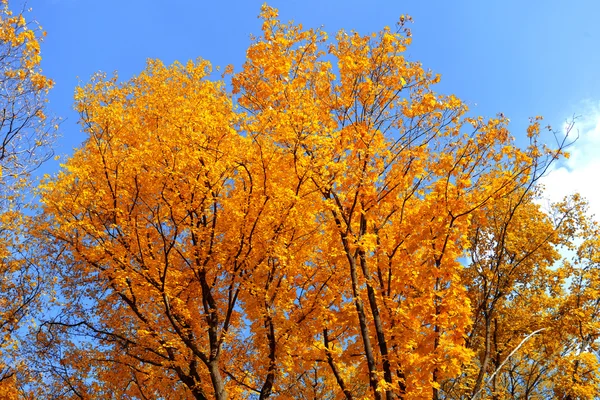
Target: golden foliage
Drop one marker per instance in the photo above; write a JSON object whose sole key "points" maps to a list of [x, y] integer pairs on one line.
{"points": [[333, 228]]}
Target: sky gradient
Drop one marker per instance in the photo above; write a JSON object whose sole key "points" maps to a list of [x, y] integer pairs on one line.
{"points": [[521, 58]]}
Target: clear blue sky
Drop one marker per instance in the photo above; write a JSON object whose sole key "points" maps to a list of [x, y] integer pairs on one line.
{"points": [[522, 58]]}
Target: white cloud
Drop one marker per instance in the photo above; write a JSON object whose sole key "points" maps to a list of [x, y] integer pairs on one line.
{"points": [[581, 172]]}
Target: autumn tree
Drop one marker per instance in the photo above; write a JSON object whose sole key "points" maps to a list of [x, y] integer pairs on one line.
{"points": [[24, 144], [576, 372], [198, 236], [303, 236], [515, 289]]}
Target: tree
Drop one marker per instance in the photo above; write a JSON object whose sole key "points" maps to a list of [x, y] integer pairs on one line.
{"points": [[577, 370], [515, 290], [25, 139], [302, 236]]}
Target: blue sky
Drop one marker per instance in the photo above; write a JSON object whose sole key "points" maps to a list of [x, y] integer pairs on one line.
{"points": [[522, 58]]}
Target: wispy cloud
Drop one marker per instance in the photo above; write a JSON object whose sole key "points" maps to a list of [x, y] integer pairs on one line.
{"points": [[581, 172]]}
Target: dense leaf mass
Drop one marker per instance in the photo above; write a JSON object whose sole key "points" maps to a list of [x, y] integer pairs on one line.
{"points": [[321, 224]]}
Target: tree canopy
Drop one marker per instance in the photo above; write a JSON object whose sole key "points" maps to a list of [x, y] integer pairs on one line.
{"points": [[319, 224]]}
